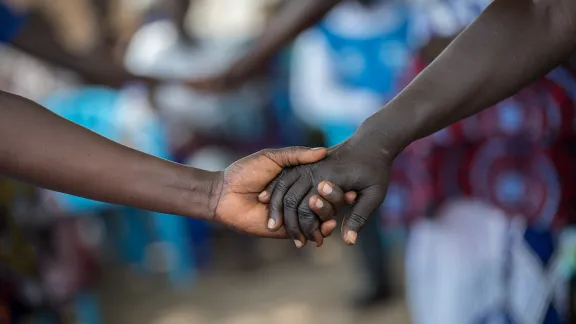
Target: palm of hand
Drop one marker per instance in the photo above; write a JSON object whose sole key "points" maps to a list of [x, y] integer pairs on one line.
{"points": [[238, 207]]}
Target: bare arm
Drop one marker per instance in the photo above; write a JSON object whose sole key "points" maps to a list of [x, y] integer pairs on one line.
{"points": [[42, 148], [510, 45]]}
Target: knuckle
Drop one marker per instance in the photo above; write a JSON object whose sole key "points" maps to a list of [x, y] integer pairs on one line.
{"points": [[269, 153], [281, 185], [309, 226], [307, 171], [291, 201], [275, 207], [304, 213], [293, 230], [356, 220]]}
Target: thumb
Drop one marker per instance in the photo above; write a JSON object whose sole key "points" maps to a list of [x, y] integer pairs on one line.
{"points": [[367, 203], [293, 156]]}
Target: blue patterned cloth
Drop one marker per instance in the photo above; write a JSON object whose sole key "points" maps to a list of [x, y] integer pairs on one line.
{"points": [[106, 112], [10, 23], [92, 108]]}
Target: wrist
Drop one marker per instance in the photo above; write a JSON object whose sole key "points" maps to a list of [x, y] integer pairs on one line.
{"points": [[402, 121], [379, 137], [199, 193]]}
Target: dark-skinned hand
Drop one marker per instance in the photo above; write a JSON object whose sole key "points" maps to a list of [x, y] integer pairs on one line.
{"points": [[350, 166], [327, 204], [239, 204]]}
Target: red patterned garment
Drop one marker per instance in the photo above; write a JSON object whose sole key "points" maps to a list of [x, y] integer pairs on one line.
{"points": [[518, 155]]}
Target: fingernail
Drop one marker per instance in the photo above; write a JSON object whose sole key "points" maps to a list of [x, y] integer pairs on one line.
{"points": [[271, 223], [351, 237], [317, 148], [263, 194], [298, 244], [327, 189], [319, 203]]}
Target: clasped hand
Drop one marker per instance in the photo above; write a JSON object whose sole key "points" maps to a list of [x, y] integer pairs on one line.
{"points": [[296, 192], [304, 197]]}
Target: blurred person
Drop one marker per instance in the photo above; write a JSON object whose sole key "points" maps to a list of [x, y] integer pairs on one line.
{"points": [[515, 150], [343, 70], [166, 49]]}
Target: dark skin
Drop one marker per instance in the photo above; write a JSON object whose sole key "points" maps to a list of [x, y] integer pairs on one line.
{"points": [[513, 43], [41, 148]]}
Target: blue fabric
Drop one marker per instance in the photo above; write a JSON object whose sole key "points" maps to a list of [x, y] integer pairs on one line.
{"points": [[379, 69], [542, 243], [379, 62], [496, 318], [338, 133], [10, 23], [92, 108], [87, 308], [291, 129], [552, 316], [96, 109], [200, 235]]}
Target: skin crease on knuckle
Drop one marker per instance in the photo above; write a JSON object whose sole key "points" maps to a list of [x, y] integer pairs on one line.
{"points": [[291, 201], [357, 221], [309, 222]]}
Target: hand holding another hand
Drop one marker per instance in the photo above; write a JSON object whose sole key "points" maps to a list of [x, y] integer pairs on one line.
{"points": [[351, 166], [236, 191]]}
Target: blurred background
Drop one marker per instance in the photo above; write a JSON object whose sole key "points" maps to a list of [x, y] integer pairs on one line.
{"points": [[476, 227]]}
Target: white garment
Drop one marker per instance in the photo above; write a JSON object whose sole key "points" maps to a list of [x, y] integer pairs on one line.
{"points": [[316, 93], [454, 264], [473, 263], [156, 51]]}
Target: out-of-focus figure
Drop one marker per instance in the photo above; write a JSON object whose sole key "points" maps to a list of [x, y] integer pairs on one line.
{"points": [[502, 240]]}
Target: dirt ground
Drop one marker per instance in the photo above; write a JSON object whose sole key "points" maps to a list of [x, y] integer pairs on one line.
{"points": [[311, 286]]}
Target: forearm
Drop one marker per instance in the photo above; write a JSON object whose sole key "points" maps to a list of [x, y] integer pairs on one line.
{"points": [[292, 20], [40, 147], [510, 45]]}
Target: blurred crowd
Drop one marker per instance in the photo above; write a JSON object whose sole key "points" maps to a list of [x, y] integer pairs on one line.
{"points": [[484, 207]]}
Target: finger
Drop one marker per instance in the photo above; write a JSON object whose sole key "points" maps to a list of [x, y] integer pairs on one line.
{"points": [[293, 156], [333, 194], [321, 207], [369, 200], [284, 182], [265, 196], [328, 227], [317, 237], [292, 200], [350, 196], [308, 220]]}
